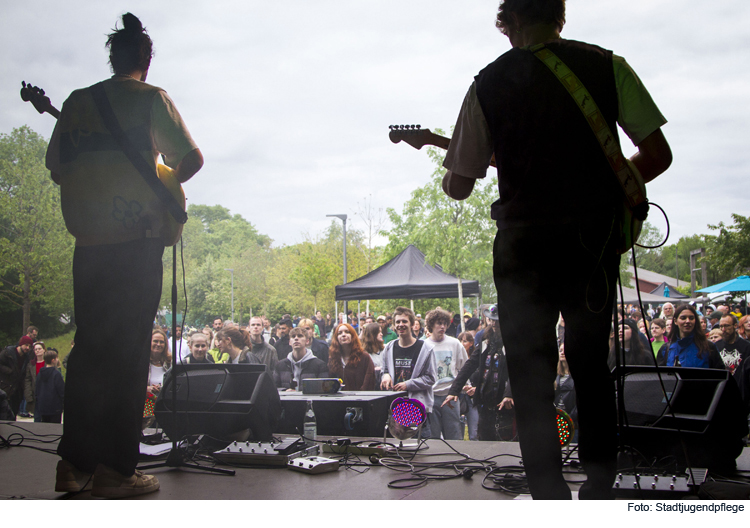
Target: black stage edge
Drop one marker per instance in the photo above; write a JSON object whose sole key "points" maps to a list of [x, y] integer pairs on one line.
{"points": [[27, 473]]}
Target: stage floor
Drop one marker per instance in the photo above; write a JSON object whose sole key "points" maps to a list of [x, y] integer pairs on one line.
{"points": [[30, 474]]}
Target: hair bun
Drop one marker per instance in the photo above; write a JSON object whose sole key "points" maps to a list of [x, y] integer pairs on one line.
{"points": [[130, 22]]}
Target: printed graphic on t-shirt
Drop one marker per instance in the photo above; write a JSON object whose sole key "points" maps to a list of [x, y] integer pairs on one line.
{"points": [[444, 359], [731, 358], [403, 368]]}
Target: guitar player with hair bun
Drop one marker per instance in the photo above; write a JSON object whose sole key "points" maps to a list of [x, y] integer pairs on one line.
{"points": [[121, 228], [559, 217]]}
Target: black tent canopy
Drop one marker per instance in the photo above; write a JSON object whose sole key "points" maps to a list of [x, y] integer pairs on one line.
{"points": [[406, 276], [673, 293]]}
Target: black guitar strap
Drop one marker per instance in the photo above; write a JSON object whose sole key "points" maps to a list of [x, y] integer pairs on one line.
{"points": [[149, 174]]}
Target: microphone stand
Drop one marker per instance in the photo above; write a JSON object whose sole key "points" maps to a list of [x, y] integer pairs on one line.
{"points": [[178, 457]]}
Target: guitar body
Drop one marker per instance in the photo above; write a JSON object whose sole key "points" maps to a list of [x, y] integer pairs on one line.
{"points": [[172, 230]]}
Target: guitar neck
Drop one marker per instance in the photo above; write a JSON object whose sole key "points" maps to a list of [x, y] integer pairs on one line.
{"points": [[437, 141], [418, 137], [54, 112]]}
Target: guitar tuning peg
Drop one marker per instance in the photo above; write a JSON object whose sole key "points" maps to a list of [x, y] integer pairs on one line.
{"points": [[41, 91], [413, 127], [403, 127], [23, 83], [390, 127], [419, 126]]}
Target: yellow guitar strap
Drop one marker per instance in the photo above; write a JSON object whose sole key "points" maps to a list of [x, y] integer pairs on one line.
{"points": [[631, 182]]}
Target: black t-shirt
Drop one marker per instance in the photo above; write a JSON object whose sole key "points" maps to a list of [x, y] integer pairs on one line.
{"points": [[733, 355], [404, 360]]}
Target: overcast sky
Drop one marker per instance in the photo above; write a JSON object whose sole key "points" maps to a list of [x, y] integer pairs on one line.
{"points": [[290, 101]]}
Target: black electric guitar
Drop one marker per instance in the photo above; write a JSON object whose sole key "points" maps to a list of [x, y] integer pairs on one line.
{"points": [[172, 229]]}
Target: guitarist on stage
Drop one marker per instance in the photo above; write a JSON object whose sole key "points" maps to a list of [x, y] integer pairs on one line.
{"points": [[118, 224], [557, 217]]}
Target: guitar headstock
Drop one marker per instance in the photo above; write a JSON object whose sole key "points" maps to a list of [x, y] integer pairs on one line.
{"points": [[414, 135], [36, 97]]}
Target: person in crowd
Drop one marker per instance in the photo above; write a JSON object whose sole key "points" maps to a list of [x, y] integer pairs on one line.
{"points": [[265, 353], [472, 325], [32, 370], [33, 332], [565, 390], [715, 335], [658, 330], [198, 346], [206, 330], [732, 348], [216, 354], [328, 324], [450, 356], [183, 347], [409, 365], [688, 346], [348, 360], [49, 389], [299, 364], [454, 325], [319, 348], [372, 341], [743, 327], [490, 388], [267, 330], [217, 325], [12, 373], [468, 409], [281, 342], [704, 323], [643, 327], [388, 333], [233, 345], [631, 348], [714, 318], [667, 311], [159, 363], [417, 329], [320, 322]]}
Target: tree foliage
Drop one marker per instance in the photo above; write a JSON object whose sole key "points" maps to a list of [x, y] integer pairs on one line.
{"points": [[35, 248], [728, 252]]}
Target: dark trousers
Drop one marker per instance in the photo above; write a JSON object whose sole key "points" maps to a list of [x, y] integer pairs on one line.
{"points": [[540, 271], [494, 425], [117, 289]]}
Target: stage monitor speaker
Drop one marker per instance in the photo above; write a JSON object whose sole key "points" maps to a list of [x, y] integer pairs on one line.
{"points": [[225, 401], [347, 413], [707, 415]]}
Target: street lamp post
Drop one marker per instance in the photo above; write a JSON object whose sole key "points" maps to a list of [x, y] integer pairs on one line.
{"points": [[232, 270], [342, 217]]}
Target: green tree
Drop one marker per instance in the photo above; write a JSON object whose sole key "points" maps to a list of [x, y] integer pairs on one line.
{"points": [[728, 252], [35, 248]]}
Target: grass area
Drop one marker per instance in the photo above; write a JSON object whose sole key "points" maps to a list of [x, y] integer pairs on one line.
{"points": [[62, 345]]}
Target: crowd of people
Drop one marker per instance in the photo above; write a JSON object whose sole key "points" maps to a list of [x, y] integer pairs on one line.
{"points": [[31, 385], [458, 373]]}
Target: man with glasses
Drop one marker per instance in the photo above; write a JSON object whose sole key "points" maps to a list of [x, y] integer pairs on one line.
{"points": [[732, 348]]}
